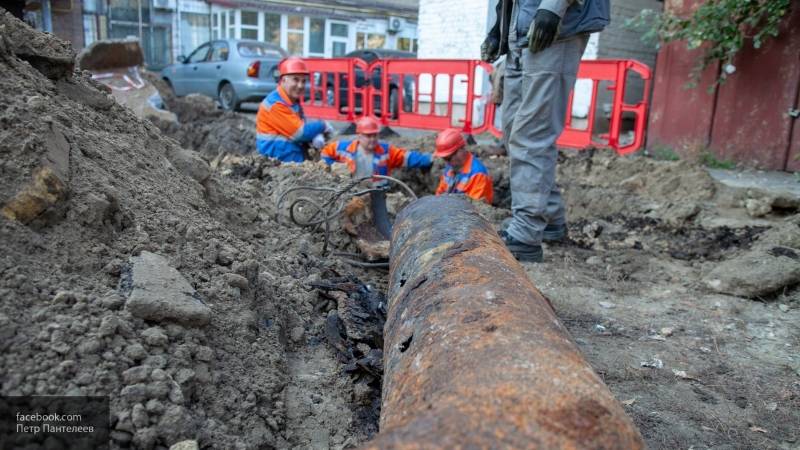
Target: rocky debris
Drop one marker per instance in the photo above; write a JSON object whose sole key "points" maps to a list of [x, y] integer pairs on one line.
{"points": [[161, 293], [64, 329], [201, 126], [758, 207], [355, 327], [48, 54], [757, 273], [86, 92], [782, 234]]}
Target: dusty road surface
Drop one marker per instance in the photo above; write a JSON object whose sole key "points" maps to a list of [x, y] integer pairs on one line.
{"points": [[681, 292]]}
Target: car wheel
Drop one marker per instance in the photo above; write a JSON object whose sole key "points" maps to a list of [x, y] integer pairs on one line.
{"points": [[394, 106], [227, 97]]}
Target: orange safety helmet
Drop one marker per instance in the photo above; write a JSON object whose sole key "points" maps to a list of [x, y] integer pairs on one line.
{"points": [[367, 125], [292, 65], [448, 142]]}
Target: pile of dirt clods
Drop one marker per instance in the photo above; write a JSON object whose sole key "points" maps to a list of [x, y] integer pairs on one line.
{"points": [[130, 269]]}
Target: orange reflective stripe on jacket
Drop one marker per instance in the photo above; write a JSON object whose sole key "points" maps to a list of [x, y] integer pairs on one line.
{"points": [[279, 116], [385, 157], [473, 180]]}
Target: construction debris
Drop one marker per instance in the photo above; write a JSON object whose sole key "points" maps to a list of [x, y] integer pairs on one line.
{"points": [[757, 273], [158, 292]]}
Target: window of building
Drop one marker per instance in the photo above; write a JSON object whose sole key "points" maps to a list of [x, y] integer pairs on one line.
{"points": [[316, 37], [339, 30], [370, 40], [339, 49], [407, 44], [340, 37], [375, 40], [89, 29], [272, 28], [295, 32], [194, 31], [231, 24], [249, 25], [215, 26], [361, 40], [128, 11]]}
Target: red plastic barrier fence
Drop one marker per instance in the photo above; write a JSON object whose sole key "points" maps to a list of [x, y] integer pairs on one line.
{"points": [[425, 94], [336, 84], [616, 72]]}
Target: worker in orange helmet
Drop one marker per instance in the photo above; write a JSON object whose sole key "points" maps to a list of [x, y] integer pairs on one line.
{"points": [[282, 130], [464, 172], [366, 155]]}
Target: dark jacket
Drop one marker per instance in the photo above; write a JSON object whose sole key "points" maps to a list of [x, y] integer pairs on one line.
{"points": [[577, 17]]}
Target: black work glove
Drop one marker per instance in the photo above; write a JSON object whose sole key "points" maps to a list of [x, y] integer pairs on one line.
{"points": [[490, 48], [543, 31]]}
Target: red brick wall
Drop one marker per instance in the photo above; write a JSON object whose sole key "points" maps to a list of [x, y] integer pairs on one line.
{"points": [[744, 120]]}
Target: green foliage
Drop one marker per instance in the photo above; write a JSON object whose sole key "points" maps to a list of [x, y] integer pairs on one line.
{"points": [[710, 160], [719, 27]]}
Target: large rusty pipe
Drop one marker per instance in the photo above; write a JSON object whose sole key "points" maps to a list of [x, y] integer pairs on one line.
{"points": [[474, 356]]}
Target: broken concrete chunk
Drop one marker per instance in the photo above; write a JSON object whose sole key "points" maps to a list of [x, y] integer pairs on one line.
{"points": [[190, 163], [757, 273], [160, 293], [185, 445]]}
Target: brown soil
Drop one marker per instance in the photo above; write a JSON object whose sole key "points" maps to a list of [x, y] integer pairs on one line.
{"points": [[269, 370]]}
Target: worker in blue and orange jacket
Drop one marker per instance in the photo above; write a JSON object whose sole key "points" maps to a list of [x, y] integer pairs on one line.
{"points": [[282, 130], [464, 172], [366, 155]]}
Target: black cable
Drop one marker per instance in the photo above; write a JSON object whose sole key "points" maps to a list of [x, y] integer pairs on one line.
{"points": [[332, 208]]}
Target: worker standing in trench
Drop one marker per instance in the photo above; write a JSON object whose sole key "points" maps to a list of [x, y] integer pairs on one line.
{"points": [[464, 172], [543, 41], [282, 131], [366, 155]]}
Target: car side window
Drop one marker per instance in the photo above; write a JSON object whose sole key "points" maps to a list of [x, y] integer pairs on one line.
{"points": [[200, 54], [219, 52]]}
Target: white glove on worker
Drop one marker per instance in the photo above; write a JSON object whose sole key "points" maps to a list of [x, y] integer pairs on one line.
{"points": [[329, 130], [318, 142]]}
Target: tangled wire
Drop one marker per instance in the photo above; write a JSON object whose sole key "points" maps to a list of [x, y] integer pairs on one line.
{"points": [[324, 212]]}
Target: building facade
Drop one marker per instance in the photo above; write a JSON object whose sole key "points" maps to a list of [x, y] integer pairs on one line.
{"points": [[170, 28]]}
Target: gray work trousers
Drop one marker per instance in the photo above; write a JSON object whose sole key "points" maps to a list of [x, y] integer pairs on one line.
{"points": [[536, 91]]}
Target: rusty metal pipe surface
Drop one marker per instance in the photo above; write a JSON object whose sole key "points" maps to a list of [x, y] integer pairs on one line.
{"points": [[474, 356]]}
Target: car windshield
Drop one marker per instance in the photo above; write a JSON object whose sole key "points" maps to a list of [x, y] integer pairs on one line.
{"points": [[257, 49]]}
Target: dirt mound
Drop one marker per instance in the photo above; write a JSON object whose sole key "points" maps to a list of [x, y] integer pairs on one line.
{"points": [[202, 126], [98, 204], [599, 183]]}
